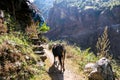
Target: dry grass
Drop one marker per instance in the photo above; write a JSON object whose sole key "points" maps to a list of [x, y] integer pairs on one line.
{"points": [[3, 28], [13, 61], [32, 30], [75, 61], [43, 74]]}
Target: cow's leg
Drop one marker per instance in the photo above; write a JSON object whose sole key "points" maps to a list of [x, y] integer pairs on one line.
{"points": [[55, 62], [63, 63], [60, 61], [63, 60]]}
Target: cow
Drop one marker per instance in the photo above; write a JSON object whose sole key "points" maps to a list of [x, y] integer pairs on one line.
{"points": [[59, 51]]}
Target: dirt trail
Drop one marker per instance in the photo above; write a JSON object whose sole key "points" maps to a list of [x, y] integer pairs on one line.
{"points": [[69, 74]]}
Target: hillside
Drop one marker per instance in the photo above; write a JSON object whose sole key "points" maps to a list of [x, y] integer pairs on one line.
{"points": [[83, 24], [27, 54], [75, 62]]}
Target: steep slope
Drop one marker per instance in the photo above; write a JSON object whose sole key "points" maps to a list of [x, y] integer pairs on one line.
{"points": [[83, 26]]}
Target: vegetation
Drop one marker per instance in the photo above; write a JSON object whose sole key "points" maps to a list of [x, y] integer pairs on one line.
{"points": [[18, 10], [43, 28], [103, 44], [32, 31], [17, 60], [74, 53], [95, 4], [82, 57], [116, 69], [12, 24]]}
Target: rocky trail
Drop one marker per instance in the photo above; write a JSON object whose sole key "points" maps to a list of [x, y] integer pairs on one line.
{"points": [[70, 70]]}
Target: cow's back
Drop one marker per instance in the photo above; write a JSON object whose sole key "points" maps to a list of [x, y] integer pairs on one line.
{"points": [[58, 50]]}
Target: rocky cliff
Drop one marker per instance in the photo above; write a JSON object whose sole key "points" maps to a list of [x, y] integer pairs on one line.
{"points": [[83, 27]]}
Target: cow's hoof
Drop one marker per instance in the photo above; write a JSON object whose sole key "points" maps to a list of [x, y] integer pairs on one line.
{"points": [[63, 70]]}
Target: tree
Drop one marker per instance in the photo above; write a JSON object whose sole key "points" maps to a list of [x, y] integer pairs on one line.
{"points": [[103, 44]]}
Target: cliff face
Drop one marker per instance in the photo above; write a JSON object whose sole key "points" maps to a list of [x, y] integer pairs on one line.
{"points": [[84, 27], [44, 6]]}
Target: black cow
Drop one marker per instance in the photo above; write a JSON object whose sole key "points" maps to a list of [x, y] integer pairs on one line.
{"points": [[59, 51]]}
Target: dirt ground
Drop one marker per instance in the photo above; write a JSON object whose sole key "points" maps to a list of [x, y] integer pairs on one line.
{"points": [[71, 70]]}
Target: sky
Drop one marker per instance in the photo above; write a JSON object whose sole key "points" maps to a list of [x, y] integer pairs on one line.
{"points": [[31, 0]]}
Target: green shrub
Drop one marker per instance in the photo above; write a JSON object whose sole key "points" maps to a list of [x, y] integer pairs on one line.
{"points": [[17, 60], [86, 57], [116, 69], [43, 28]]}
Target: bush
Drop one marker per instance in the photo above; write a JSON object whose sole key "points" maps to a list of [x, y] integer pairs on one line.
{"points": [[103, 44], [17, 60]]}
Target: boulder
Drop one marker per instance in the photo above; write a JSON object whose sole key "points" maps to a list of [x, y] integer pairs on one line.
{"points": [[89, 67], [101, 70]]}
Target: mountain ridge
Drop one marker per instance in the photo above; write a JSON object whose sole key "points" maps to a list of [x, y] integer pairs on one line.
{"points": [[84, 27]]}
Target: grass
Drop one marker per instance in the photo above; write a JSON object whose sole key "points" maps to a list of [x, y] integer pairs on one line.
{"points": [[43, 74], [19, 41], [116, 69], [82, 57], [13, 52], [76, 59], [79, 58]]}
